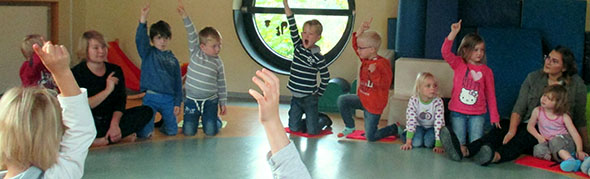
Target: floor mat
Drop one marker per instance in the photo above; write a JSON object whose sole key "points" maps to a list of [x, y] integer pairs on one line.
{"points": [[543, 164], [360, 135], [301, 134]]}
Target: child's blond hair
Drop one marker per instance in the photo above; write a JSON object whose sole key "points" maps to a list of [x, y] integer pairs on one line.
{"points": [[209, 33], [315, 24], [420, 79], [371, 38], [467, 46], [27, 45], [30, 128], [557, 93]]}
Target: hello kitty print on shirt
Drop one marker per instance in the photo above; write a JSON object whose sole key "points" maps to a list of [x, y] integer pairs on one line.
{"points": [[470, 87]]}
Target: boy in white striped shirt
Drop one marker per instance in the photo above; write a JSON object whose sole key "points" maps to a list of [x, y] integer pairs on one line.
{"points": [[205, 79]]}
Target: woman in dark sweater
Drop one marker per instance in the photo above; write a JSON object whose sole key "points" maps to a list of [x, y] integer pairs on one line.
{"points": [[106, 93]]}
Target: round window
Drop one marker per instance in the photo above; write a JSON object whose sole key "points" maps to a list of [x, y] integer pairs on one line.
{"points": [[264, 32]]}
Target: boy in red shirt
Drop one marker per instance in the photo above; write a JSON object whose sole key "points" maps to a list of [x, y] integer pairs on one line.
{"points": [[374, 80]]}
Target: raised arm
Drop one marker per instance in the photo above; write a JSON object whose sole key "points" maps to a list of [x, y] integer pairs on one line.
{"points": [[76, 115], [455, 28], [142, 40], [192, 35], [288, 11]]}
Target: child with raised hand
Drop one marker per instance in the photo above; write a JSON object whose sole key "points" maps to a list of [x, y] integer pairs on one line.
{"points": [[283, 157], [374, 80], [424, 115], [160, 74], [39, 136], [306, 64], [32, 72], [473, 91], [558, 138], [206, 92]]}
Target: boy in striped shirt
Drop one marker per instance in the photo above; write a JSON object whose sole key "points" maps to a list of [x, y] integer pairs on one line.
{"points": [[307, 62], [205, 79]]}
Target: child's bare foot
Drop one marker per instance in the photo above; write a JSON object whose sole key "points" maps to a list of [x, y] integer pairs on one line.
{"points": [[464, 151], [99, 142]]}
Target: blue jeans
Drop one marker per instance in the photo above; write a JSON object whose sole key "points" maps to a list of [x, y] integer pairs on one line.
{"points": [[207, 110], [423, 137], [309, 106], [462, 123], [348, 103], [164, 104]]}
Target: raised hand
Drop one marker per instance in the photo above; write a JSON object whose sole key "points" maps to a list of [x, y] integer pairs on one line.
{"points": [[365, 26], [455, 28], [144, 13], [288, 11], [181, 10], [57, 60], [268, 101]]}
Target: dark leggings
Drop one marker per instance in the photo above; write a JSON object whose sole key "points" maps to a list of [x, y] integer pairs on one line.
{"points": [[522, 143], [133, 120]]}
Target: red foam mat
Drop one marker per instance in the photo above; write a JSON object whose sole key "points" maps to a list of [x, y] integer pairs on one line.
{"points": [[358, 134], [322, 133], [543, 164]]}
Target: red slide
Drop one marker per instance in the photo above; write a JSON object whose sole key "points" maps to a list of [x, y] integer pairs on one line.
{"points": [[130, 71]]}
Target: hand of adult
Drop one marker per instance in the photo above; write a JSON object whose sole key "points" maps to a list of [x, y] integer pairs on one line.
{"points": [[581, 155], [508, 137], [112, 81], [114, 133]]}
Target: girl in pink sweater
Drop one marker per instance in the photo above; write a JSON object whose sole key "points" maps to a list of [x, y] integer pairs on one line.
{"points": [[473, 86], [558, 138]]}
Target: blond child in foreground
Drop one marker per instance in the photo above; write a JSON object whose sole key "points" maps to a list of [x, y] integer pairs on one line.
{"points": [[36, 140]]}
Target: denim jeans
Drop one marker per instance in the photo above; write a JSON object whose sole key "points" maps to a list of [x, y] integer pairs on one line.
{"points": [[463, 123], [164, 104], [309, 106], [347, 103], [423, 137], [207, 111]]}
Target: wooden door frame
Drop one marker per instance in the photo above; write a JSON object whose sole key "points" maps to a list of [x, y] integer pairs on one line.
{"points": [[54, 13]]}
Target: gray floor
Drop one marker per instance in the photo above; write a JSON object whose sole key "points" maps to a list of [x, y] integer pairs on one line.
{"points": [[244, 157]]}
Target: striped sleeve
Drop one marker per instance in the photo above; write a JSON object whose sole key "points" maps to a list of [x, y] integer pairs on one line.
{"points": [[192, 36], [324, 75], [294, 32], [221, 87]]}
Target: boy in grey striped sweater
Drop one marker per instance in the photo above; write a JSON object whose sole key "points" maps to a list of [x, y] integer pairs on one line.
{"points": [[205, 79], [307, 62]]}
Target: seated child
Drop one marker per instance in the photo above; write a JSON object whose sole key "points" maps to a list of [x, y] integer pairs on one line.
{"points": [[307, 63], [424, 115], [32, 72], [160, 75], [42, 136], [373, 92], [558, 138], [206, 92]]}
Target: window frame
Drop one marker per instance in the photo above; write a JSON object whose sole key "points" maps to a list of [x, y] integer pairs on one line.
{"points": [[258, 50]]}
